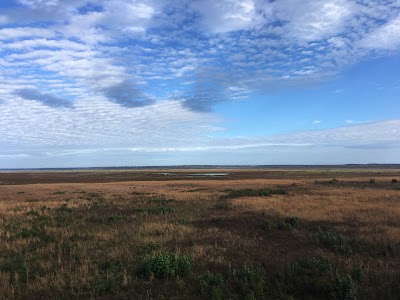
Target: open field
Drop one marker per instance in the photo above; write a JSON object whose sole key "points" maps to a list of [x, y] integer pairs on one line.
{"points": [[331, 233]]}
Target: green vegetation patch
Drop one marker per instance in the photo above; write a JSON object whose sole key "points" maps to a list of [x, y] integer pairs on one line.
{"points": [[59, 193], [165, 265], [335, 242], [212, 286], [318, 278], [156, 210], [249, 282], [288, 224], [253, 193], [107, 219], [161, 201]]}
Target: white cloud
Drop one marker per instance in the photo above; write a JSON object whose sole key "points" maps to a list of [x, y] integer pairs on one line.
{"points": [[112, 60], [85, 28], [39, 43], [226, 15], [126, 15], [96, 122], [39, 2], [24, 32], [386, 36], [314, 20]]}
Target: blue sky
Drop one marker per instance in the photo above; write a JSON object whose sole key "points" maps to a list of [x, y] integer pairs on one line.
{"points": [[146, 82]]}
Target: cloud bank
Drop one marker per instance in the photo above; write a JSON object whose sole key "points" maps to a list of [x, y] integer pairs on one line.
{"points": [[83, 73]]}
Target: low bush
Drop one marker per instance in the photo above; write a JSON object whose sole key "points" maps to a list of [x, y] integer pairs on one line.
{"points": [[317, 278], [107, 219], [288, 223], [161, 201], [253, 193], [165, 265], [156, 210], [249, 282], [335, 242], [211, 286]]}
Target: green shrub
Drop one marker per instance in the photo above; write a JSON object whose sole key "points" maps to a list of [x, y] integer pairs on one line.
{"points": [[267, 225], [161, 201], [59, 193], [335, 242], [249, 282], [109, 278], [211, 285], [165, 265], [27, 233], [345, 288], [181, 221], [107, 219], [156, 210], [317, 278], [253, 193], [288, 223]]}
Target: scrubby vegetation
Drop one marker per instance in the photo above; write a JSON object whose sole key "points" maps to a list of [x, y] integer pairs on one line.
{"points": [[285, 238]]}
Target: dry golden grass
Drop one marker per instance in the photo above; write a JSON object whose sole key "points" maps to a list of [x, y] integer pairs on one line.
{"points": [[86, 240]]}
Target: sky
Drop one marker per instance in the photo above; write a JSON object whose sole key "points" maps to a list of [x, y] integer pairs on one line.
{"points": [[195, 82]]}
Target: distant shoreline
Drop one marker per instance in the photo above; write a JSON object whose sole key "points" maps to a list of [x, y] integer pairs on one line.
{"points": [[208, 167]]}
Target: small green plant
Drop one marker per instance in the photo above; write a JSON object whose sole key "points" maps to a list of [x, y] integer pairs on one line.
{"points": [[165, 265], [267, 225], [211, 285], [253, 193], [27, 233], [335, 242], [109, 278], [312, 278], [288, 223], [161, 201], [345, 288], [59, 193], [249, 282], [107, 219], [156, 210], [181, 221]]}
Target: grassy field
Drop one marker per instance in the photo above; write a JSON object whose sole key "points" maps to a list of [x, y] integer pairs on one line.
{"points": [[270, 234]]}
